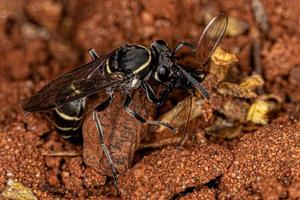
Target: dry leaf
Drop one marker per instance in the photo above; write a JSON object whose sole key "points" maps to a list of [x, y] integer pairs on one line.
{"points": [[224, 128], [234, 90], [221, 60], [17, 191], [243, 90], [121, 136], [252, 82], [262, 107], [223, 57], [235, 110]]}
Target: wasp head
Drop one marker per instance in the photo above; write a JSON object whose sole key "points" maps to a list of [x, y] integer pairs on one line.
{"points": [[164, 61]]}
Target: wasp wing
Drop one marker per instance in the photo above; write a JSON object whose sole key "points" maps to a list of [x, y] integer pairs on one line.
{"points": [[211, 38], [179, 117], [207, 44], [183, 119], [83, 81], [54, 97], [82, 72]]}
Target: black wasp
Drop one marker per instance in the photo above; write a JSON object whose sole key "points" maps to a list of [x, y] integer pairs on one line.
{"points": [[125, 68]]}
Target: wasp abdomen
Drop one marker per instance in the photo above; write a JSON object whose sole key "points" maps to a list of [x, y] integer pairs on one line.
{"points": [[68, 118]]}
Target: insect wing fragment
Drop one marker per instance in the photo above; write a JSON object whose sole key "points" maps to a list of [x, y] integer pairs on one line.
{"points": [[179, 117], [211, 38], [184, 116]]}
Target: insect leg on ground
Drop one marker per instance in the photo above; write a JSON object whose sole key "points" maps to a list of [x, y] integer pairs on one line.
{"points": [[104, 148], [128, 101], [95, 56]]}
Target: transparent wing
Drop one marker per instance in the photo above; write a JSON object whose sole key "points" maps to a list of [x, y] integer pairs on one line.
{"points": [[83, 81], [211, 38], [82, 72], [183, 118], [180, 118]]}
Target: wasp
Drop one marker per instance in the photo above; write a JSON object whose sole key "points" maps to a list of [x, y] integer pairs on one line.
{"points": [[126, 68]]}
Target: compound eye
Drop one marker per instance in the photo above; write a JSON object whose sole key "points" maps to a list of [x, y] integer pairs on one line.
{"points": [[163, 73]]}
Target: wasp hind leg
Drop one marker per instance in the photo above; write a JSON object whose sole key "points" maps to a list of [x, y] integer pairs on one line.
{"points": [[105, 150], [137, 116], [93, 54]]}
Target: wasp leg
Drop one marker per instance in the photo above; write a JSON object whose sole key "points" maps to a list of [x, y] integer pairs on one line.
{"points": [[106, 103], [183, 44], [93, 54], [137, 116], [194, 82], [158, 101], [150, 93], [165, 92], [105, 150]]}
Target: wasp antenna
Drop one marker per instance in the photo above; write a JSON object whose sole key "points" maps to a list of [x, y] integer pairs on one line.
{"points": [[195, 83], [93, 54]]}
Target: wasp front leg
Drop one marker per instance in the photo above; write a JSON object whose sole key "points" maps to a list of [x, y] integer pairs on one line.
{"points": [[127, 103], [158, 101]]}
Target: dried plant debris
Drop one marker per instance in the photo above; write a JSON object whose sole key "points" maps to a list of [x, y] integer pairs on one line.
{"points": [[242, 108], [236, 110], [237, 115], [170, 171], [222, 128], [252, 82], [243, 90], [261, 108], [17, 191], [229, 121], [256, 56], [232, 89], [223, 57], [221, 61]]}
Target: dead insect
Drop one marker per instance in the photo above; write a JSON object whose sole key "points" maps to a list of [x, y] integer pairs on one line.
{"points": [[125, 68]]}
